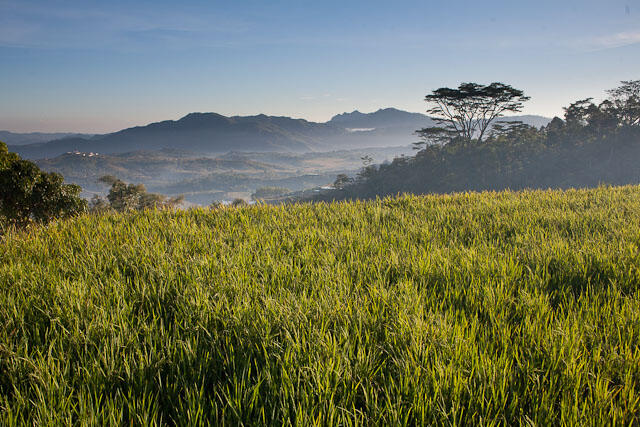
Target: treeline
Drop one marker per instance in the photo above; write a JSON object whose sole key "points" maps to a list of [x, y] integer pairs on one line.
{"points": [[594, 144]]}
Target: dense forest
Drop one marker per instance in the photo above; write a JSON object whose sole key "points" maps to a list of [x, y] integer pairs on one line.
{"points": [[595, 144]]}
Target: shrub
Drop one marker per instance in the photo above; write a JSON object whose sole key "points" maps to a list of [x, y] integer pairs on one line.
{"points": [[238, 202], [125, 197], [28, 194]]}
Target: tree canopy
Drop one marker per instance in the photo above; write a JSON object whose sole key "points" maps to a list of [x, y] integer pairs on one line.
{"points": [[625, 101], [592, 144], [28, 194], [468, 111], [124, 197]]}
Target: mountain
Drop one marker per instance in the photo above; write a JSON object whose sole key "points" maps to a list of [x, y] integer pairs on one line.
{"points": [[205, 133], [383, 118], [208, 133], [531, 120], [214, 134], [392, 118], [12, 138]]}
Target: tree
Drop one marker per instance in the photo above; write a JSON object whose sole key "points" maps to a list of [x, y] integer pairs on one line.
{"points": [[578, 112], [594, 119], [28, 194], [626, 101], [434, 136], [6, 158], [368, 168], [469, 111], [123, 197], [366, 160], [594, 144], [98, 204], [342, 180]]}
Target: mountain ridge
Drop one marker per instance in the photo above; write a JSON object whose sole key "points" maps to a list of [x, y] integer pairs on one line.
{"points": [[213, 133], [18, 138]]}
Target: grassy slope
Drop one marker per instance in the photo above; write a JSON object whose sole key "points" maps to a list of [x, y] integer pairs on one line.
{"points": [[476, 307]]}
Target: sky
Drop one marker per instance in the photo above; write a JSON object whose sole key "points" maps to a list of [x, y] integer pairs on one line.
{"points": [[100, 66]]}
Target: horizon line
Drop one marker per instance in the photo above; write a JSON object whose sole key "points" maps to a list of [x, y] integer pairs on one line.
{"points": [[94, 133]]}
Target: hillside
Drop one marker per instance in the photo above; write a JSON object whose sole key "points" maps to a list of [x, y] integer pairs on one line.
{"points": [[203, 179], [211, 133], [563, 155], [479, 308], [13, 138], [150, 168]]}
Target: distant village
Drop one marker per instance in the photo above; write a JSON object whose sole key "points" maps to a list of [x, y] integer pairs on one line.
{"points": [[78, 153]]}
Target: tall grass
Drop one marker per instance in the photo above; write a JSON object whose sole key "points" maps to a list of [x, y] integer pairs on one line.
{"points": [[485, 308]]}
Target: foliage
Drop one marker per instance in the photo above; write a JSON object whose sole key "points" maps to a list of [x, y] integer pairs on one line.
{"points": [[435, 136], [493, 308], [238, 202], [28, 194], [625, 101], [124, 197], [594, 144], [98, 204], [469, 111], [6, 158], [342, 179]]}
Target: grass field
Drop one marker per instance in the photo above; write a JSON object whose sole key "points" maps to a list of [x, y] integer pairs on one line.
{"points": [[465, 309]]}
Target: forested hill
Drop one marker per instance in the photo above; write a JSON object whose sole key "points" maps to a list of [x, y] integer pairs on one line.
{"points": [[495, 165], [593, 145]]}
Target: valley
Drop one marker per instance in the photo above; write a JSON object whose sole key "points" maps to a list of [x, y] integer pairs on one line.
{"points": [[210, 157]]}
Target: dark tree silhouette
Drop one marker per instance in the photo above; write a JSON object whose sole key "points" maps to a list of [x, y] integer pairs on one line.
{"points": [[341, 180], [468, 111], [626, 100]]}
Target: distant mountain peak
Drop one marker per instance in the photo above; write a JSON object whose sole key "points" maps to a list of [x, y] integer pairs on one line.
{"points": [[382, 118], [200, 116], [346, 116]]}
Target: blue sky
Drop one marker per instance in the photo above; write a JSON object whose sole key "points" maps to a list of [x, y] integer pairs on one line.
{"points": [[98, 66]]}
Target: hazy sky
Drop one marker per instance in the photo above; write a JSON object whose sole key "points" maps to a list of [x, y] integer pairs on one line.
{"points": [[97, 66]]}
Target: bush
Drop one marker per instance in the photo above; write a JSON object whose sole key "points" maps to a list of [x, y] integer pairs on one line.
{"points": [[28, 194], [238, 202], [125, 197]]}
